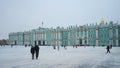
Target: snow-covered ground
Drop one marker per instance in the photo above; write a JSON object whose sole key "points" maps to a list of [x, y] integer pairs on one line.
{"points": [[81, 57]]}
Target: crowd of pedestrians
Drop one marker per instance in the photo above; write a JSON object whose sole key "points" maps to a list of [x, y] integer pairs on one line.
{"points": [[35, 50]]}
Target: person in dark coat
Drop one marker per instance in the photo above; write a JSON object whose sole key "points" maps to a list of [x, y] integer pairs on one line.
{"points": [[37, 51], [54, 47], [32, 50], [108, 49]]}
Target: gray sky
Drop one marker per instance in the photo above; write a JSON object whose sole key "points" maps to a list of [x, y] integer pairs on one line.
{"points": [[24, 15]]}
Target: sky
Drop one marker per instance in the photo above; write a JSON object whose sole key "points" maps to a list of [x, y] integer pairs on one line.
{"points": [[24, 15]]}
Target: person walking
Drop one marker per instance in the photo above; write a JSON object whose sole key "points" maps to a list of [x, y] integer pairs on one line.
{"points": [[32, 50], [108, 49], [54, 47], [37, 51]]}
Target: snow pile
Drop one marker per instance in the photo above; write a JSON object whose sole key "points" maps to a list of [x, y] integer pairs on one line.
{"points": [[81, 57]]}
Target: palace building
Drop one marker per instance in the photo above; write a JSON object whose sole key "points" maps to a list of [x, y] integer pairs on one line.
{"points": [[94, 35]]}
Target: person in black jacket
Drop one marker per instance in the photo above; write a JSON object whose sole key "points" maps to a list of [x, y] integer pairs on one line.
{"points": [[32, 50], [37, 51], [108, 49]]}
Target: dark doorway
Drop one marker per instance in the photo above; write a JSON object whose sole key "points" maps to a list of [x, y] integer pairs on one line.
{"points": [[39, 42], [35, 42], [43, 42], [15, 42], [80, 41]]}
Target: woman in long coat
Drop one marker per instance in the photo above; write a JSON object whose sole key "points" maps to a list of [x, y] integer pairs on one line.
{"points": [[37, 51], [32, 50]]}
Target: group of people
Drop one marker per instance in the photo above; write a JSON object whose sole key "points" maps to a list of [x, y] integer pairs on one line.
{"points": [[34, 51]]}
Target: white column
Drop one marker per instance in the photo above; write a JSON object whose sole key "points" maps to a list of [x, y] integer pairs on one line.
{"points": [[83, 39], [53, 40], [97, 43], [117, 32], [117, 42], [69, 38], [58, 37], [68, 42], [77, 39], [76, 36], [59, 43], [117, 37], [56, 42], [51, 43], [44, 36], [41, 36], [110, 36], [110, 42], [87, 37], [97, 34]]}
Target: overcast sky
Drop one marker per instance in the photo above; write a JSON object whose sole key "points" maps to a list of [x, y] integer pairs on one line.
{"points": [[24, 15]]}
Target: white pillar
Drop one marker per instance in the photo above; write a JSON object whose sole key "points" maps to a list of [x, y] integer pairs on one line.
{"points": [[110, 42], [68, 42], [97, 43], [117, 42], [59, 36], [76, 36], [97, 34], [110, 36], [68, 38], [83, 39], [58, 42], [44, 36], [77, 40], [87, 37], [117, 37]]}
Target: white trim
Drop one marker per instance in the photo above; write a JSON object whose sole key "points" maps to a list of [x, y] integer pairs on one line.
{"points": [[116, 42], [96, 42], [110, 33], [96, 33], [87, 37], [110, 42], [117, 33]]}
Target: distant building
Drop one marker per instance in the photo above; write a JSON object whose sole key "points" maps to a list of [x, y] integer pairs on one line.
{"points": [[94, 34], [3, 42]]}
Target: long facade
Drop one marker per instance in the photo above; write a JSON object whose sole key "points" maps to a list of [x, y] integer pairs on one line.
{"points": [[94, 35]]}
